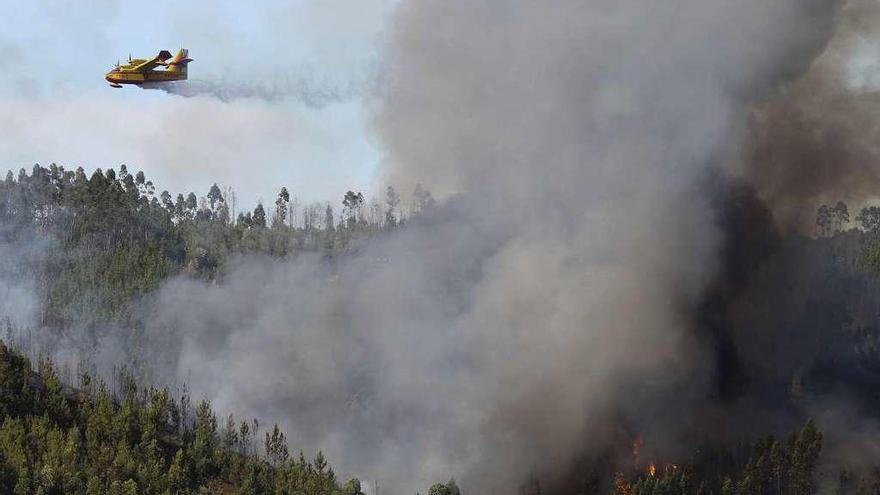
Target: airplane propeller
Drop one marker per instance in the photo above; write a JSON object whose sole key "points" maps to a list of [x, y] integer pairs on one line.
{"points": [[129, 57]]}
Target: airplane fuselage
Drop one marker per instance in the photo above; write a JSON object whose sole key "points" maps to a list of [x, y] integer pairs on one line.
{"points": [[123, 76]]}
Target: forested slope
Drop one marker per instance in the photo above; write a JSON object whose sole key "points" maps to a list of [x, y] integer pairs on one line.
{"points": [[57, 440], [801, 322], [94, 244]]}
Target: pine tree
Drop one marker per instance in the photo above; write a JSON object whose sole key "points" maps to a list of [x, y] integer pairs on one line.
{"points": [[259, 216], [281, 205], [392, 199], [215, 197]]}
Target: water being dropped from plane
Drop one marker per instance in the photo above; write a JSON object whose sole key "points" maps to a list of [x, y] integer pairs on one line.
{"points": [[309, 92]]}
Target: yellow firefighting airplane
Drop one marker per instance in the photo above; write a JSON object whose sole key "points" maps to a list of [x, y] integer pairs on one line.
{"points": [[139, 71]]}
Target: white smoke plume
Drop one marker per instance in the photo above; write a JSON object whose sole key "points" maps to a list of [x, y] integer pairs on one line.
{"points": [[19, 300], [551, 289]]}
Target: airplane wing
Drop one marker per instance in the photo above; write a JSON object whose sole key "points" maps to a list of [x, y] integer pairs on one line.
{"points": [[152, 64]]}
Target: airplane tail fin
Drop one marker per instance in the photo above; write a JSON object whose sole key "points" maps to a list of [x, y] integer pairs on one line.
{"points": [[178, 63]]}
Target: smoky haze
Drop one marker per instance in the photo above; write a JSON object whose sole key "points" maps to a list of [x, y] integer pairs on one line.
{"points": [[552, 289]]}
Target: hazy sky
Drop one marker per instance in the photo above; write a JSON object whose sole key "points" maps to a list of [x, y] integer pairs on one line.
{"points": [[58, 108]]}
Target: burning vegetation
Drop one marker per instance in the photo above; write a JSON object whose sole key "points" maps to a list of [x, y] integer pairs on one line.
{"points": [[769, 466], [643, 274]]}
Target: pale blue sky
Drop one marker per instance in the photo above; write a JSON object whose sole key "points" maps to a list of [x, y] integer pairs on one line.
{"points": [[59, 108]]}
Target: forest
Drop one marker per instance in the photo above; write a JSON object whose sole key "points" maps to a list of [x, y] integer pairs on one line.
{"points": [[95, 246], [57, 439]]}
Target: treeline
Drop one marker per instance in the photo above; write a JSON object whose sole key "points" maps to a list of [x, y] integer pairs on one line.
{"points": [[93, 244], [771, 467], [834, 220], [59, 440], [831, 220]]}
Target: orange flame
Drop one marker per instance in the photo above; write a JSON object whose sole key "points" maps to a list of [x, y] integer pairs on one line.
{"points": [[638, 446]]}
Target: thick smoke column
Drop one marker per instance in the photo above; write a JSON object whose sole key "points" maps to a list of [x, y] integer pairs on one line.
{"points": [[552, 290]]}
